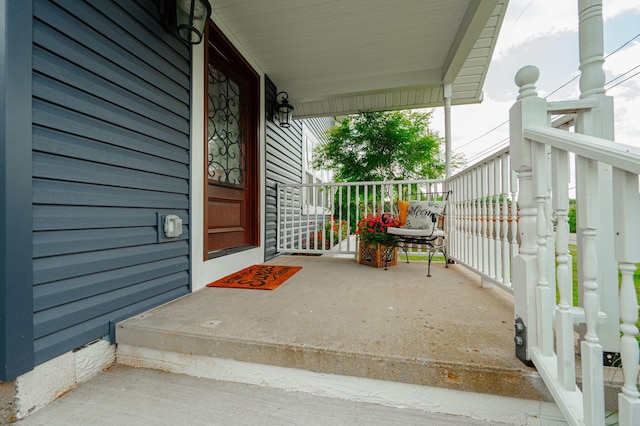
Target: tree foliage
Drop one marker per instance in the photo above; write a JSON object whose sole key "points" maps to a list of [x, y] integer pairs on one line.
{"points": [[374, 146]]}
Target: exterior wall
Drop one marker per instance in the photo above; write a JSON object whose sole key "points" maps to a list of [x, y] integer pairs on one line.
{"points": [[110, 155], [107, 101]]}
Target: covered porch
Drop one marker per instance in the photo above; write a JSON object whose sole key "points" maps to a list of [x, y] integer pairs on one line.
{"points": [[337, 320], [508, 223]]}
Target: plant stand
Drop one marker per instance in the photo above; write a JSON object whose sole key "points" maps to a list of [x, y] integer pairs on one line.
{"points": [[377, 255]]}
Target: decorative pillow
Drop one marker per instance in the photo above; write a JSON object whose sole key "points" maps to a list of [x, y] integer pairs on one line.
{"points": [[403, 207], [422, 214]]}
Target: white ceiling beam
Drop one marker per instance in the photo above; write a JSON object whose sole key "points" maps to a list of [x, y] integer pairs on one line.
{"points": [[472, 25], [309, 91]]}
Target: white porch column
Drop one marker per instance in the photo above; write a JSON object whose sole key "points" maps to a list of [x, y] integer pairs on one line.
{"points": [[598, 122], [597, 272], [447, 127], [529, 110]]}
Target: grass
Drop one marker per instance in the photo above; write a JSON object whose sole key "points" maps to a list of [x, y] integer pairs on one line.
{"points": [[574, 255]]}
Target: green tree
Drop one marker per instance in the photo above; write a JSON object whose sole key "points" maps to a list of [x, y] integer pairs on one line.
{"points": [[375, 146]]}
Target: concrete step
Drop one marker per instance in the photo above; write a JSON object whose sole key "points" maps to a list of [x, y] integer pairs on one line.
{"points": [[141, 397], [177, 352]]}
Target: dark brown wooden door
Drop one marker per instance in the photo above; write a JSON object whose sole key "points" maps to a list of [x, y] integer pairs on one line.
{"points": [[231, 151]]}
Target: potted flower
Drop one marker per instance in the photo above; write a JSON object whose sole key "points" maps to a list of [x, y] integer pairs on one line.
{"points": [[377, 248]]}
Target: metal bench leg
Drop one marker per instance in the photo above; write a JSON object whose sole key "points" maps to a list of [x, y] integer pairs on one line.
{"points": [[446, 259], [431, 253]]}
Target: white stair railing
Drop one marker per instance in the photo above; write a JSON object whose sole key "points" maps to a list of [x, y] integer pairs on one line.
{"points": [[612, 227], [608, 230]]}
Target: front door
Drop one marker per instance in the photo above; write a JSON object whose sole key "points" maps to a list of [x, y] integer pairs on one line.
{"points": [[232, 149]]}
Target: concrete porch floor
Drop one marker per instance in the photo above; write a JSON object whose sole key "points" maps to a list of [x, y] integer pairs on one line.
{"points": [[338, 317]]}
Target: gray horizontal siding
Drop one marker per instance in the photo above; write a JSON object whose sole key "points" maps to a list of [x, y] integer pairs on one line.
{"points": [[72, 146], [50, 218], [56, 293], [48, 116], [284, 164], [69, 19], [86, 330], [110, 153], [320, 126]]}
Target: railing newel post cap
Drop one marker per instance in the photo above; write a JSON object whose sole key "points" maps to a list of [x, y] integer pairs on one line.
{"points": [[525, 79]]}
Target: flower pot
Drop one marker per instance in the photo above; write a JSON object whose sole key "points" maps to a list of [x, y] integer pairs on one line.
{"points": [[375, 254]]}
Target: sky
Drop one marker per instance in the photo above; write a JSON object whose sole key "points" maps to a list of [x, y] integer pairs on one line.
{"points": [[544, 33]]}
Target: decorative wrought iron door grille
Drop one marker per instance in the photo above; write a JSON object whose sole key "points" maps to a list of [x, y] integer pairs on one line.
{"points": [[225, 136]]}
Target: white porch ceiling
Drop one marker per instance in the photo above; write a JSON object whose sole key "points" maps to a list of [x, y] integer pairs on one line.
{"points": [[337, 57]]}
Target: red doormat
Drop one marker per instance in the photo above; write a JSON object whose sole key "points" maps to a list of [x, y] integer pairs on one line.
{"points": [[259, 277]]}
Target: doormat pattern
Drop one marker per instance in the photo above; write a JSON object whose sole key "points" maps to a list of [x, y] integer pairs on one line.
{"points": [[258, 277]]}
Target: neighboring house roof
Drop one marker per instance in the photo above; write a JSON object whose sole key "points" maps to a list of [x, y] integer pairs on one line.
{"points": [[337, 57]]}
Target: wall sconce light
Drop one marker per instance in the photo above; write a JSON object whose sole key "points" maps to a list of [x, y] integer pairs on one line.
{"points": [[188, 18], [284, 110]]}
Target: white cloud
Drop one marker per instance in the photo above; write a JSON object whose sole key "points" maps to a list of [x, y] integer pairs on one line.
{"points": [[545, 35], [626, 94], [613, 8], [528, 20]]}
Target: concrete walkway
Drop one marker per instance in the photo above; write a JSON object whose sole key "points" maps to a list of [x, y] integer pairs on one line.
{"points": [[127, 396]]}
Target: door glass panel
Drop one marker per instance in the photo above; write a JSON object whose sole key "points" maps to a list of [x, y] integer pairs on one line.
{"points": [[226, 157]]}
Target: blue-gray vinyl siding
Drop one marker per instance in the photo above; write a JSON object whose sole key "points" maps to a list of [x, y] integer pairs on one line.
{"points": [[111, 102], [284, 163]]}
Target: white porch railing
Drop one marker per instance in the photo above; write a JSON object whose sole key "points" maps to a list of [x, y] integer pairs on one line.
{"points": [[322, 217], [482, 220]]}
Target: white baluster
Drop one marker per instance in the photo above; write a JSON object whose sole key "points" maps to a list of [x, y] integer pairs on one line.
{"points": [[591, 350], [564, 318], [513, 222], [484, 193], [467, 218], [497, 252], [629, 317], [551, 260], [475, 217], [504, 221], [491, 242], [627, 251], [544, 296], [348, 219]]}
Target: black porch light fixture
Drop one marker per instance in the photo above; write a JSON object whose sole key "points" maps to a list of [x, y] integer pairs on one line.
{"points": [[191, 19], [284, 110]]}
